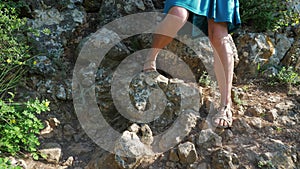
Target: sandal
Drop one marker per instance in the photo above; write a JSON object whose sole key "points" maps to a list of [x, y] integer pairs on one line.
{"points": [[148, 70], [225, 115]]}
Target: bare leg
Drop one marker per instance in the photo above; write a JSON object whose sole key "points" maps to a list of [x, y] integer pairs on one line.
{"points": [[166, 30], [223, 65]]}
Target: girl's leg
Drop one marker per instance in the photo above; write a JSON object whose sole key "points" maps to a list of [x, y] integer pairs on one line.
{"points": [[223, 66], [166, 30]]}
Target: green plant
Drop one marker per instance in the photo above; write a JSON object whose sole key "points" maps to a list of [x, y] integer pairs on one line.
{"points": [[278, 129], [237, 99], [285, 76], [265, 164], [288, 76], [19, 125], [5, 163], [266, 15], [205, 79], [14, 51]]}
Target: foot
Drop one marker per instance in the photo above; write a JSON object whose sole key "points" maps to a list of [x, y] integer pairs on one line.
{"points": [[149, 66], [223, 119]]}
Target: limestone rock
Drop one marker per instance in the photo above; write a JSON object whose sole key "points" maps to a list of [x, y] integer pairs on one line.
{"points": [[134, 128], [241, 126], [61, 92], [208, 138], [282, 45], [147, 136], [69, 161], [111, 10], [187, 153], [43, 65], [257, 48], [52, 151], [285, 105], [279, 155], [255, 122], [222, 159], [130, 151]]}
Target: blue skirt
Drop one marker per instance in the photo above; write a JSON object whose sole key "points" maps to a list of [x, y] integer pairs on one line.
{"points": [[200, 10]]}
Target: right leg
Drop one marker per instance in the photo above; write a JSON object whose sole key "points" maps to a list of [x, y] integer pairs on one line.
{"points": [[165, 32]]}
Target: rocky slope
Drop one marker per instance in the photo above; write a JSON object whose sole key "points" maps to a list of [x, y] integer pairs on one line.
{"points": [[179, 134]]}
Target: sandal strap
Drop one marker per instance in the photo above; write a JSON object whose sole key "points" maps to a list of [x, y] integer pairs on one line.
{"points": [[225, 115]]}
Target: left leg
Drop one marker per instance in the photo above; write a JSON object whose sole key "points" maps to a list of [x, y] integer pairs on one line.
{"points": [[223, 66]]}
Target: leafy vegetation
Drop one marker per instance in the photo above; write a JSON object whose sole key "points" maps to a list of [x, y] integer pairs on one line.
{"points": [[19, 124], [205, 79], [285, 76], [6, 163], [272, 15], [14, 49], [265, 164]]}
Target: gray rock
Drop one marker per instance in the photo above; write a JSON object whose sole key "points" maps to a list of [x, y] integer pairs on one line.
{"points": [[241, 126], [208, 138], [255, 122], [222, 159], [54, 22], [178, 131], [286, 120], [61, 92], [43, 65], [130, 151], [111, 10], [278, 156], [14, 162], [187, 153], [258, 48], [276, 160], [285, 106], [282, 45], [52, 151], [69, 161], [147, 137], [68, 131], [134, 128]]}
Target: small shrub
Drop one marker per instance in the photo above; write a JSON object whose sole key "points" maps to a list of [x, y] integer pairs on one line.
{"points": [[265, 164], [14, 51], [271, 15], [205, 79], [288, 76], [285, 76], [5, 163], [19, 125]]}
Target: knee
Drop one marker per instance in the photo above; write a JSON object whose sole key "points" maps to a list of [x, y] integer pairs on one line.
{"points": [[180, 13], [218, 38], [217, 33]]}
